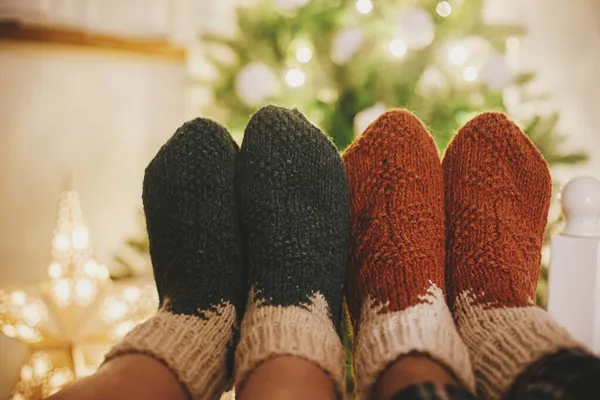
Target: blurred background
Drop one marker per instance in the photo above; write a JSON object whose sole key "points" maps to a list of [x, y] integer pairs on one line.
{"points": [[90, 89]]}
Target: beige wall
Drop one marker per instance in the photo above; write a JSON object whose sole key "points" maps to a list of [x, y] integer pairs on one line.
{"points": [[562, 48], [96, 116]]}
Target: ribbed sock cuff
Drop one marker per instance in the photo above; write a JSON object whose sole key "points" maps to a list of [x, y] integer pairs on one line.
{"points": [[304, 331], [194, 349], [504, 341], [424, 328]]}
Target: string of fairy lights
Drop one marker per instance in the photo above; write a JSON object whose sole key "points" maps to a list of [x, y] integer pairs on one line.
{"points": [[465, 60], [458, 54]]}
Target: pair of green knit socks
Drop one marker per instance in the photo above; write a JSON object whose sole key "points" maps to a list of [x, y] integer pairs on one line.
{"points": [[257, 235]]}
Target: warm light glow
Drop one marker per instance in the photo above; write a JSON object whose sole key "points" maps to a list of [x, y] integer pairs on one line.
{"points": [[444, 9], [85, 291], [102, 272], [397, 47], [26, 373], [470, 74], [364, 6], [59, 378], [132, 294], [41, 364], [27, 333], [90, 268], [458, 55], [80, 238], [94, 270], [61, 242], [18, 298], [122, 329], [33, 314], [113, 310], [304, 54], [9, 331], [61, 292], [55, 270], [295, 77]]}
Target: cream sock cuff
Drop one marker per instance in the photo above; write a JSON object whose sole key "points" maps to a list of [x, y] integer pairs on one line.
{"points": [[194, 349], [504, 341], [425, 328], [305, 331]]}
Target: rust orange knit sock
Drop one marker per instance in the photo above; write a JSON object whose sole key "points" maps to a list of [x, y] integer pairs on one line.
{"points": [[395, 281], [497, 194]]}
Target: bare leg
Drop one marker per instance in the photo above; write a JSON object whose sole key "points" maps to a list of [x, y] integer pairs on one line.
{"points": [[290, 378], [129, 377]]}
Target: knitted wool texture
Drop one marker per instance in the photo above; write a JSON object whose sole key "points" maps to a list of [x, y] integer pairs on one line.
{"points": [[396, 276], [293, 198], [497, 194], [190, 206]]}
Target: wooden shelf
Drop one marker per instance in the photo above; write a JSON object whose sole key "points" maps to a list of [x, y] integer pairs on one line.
{"points": [[16, 32]]}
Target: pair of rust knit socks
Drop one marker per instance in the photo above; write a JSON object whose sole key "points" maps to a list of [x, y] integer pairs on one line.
{"points": [[445, 256]]}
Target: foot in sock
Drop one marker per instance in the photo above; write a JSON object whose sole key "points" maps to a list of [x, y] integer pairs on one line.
{"points": [[396, 277], [497, 194], [191, 215], [293, 198]]}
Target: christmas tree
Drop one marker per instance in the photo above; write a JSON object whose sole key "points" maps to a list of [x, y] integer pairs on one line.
{"points": [[343, 62]]}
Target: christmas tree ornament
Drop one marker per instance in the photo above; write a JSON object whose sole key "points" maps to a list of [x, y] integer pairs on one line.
{"points": [[364, 118], [345, 44], [443, 9], [295, 77], [255, 83], [458, 54], [495, 72], [470, 73], [364, 6], [431, 81], [416, 28], [304, 54], [397, 47]]}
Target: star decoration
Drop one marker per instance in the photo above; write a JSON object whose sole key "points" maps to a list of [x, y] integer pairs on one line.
{"points": [[71, 320]]}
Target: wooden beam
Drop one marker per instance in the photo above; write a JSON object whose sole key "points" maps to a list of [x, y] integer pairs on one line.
{"points": [[17, 32]]}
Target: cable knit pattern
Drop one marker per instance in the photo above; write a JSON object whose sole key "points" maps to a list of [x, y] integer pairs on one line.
{"points": [[191, 215], [293, 198], [396, 275], [497, 194]]}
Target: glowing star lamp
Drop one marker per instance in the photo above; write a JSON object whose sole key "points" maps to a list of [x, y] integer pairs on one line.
{"points": [[70, 321]]}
